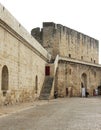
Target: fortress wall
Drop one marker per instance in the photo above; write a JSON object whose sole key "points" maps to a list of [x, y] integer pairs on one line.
{"points": [[19, 29], [70, 76], [23, 67], [78, 45], [24, 58], [50, 37], [58, 39]]}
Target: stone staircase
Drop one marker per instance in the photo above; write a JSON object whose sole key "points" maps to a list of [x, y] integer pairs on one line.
{"points": [[46, 89]]}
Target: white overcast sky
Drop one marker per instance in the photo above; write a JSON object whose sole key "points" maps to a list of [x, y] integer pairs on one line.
{"points": [[81, 15]]}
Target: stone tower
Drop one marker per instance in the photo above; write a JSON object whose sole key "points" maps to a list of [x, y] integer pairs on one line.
{"points": [[66, 42]]}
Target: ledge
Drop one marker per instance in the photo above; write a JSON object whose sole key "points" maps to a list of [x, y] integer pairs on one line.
{"points": [[8, 22], [79, 62]]}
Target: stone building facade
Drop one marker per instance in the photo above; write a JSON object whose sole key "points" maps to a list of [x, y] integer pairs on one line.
{"points": [[22, 61], [56, 58], [78, 58], [66, 42], [73, 74]]}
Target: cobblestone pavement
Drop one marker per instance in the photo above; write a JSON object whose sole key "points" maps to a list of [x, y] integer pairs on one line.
{"points": [[59, 114]]}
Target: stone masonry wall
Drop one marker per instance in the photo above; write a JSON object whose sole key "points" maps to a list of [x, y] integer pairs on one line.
{"points": [[23, 67], [24, 58], [17, 28], [70, 76], [58, 39]]}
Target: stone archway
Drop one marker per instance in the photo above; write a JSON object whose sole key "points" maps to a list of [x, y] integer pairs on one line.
{"points": [[83, 84], [5, 80], [84, 80]]}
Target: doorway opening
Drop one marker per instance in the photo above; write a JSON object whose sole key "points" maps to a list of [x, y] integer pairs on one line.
{"points": [[47, 70], [83, 85], [84, 81], [66, 91], [99, 90]]}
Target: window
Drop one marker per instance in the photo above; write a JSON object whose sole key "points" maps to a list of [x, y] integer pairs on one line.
{"points": [[81, 57], [69, 55], [91, 59], [4, 83]]}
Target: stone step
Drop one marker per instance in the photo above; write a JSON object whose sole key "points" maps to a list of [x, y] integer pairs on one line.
{"points": [[47, 86]]}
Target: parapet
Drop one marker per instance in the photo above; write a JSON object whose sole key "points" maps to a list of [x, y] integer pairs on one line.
{"points": [[8, 22], [36, 33], [48, 24]]}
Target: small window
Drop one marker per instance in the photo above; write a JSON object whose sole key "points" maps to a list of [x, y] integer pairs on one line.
{"points": [[94, 61], [70, 71], [91, 59], [69, 55], [81, 57]]}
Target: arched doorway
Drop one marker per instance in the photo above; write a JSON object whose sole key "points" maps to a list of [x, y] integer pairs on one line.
{"points": [[5, 79], [84, 80], [83, 84], [99, 90]]}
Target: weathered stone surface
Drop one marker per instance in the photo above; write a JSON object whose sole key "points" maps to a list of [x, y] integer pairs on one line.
{"points": [[66, 42], [70, 76], [23, 60], [71, 44]]}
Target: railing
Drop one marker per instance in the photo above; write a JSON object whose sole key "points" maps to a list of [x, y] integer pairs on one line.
{"points": [[56, 63], [55, 68]]}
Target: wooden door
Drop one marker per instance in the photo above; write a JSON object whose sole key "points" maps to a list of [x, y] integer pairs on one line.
{"points": [[47, 70]]}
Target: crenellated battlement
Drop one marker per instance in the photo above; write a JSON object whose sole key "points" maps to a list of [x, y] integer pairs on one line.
{"points": [[67, 42], [48, 24], [25, 65]]}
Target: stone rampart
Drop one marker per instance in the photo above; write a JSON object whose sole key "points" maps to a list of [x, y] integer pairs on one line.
{"points": [[58, 39]]}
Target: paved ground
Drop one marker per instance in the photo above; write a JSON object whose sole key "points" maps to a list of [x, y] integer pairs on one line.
{"points": [[59, 114], [11, 109]]}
